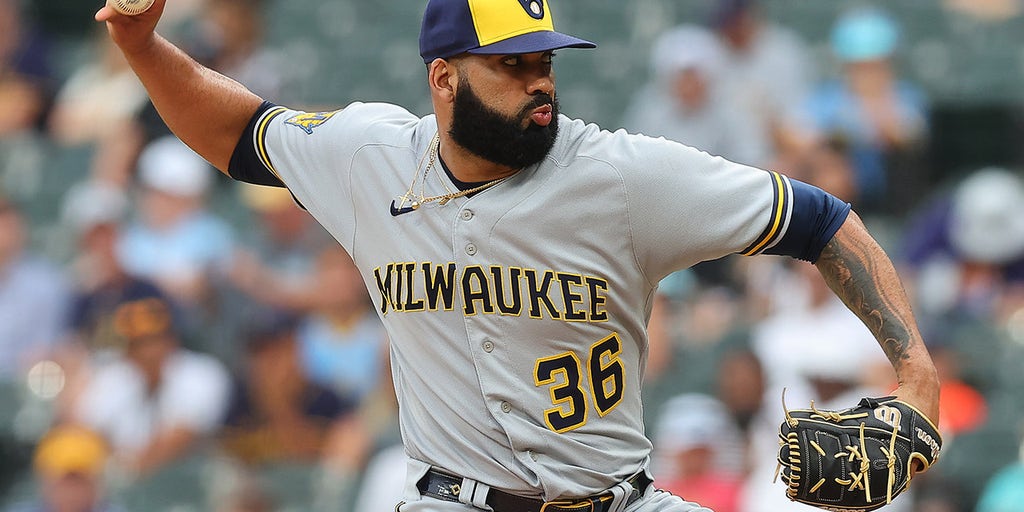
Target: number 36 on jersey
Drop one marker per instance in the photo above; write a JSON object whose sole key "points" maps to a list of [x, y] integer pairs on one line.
{"points": [[573, 383]]}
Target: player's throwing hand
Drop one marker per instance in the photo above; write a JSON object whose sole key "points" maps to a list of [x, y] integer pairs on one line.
{"points": [[131, 31]]}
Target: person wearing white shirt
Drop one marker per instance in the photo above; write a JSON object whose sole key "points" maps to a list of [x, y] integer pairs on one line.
{"points": [[156, 400]]}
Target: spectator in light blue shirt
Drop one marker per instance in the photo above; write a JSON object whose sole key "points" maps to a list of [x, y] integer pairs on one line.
{"points": [[879, 115], [1004, 492], [175, 241], [34, 297], [342, 341]]}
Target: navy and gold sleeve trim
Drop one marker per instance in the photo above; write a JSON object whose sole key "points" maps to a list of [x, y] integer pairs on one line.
{"points": [[817, 216], [778, 224], [250, 161]]}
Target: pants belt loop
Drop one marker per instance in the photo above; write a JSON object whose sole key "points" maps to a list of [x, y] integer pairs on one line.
{"points": [[474, 493], [621, 493]]}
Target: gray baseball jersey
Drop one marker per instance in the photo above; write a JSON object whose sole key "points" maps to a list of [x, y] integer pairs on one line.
{"points": [[517, 316]]}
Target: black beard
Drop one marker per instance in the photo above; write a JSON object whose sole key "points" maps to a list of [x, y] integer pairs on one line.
{"points": [[498, 138]]}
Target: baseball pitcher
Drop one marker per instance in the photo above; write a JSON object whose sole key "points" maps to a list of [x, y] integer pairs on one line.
{"points": [[513, 252]]}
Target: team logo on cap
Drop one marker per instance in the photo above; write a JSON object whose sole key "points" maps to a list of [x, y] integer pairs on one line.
{"points": [[309, 120], [535, 8]]}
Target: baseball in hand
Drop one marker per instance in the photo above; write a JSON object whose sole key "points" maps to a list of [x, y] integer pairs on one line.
{"points": [[130, 7]]}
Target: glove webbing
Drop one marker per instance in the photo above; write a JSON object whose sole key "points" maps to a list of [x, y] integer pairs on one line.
{"points": [[857, 479]]}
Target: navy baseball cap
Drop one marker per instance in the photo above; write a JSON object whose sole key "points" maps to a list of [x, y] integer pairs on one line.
{"points": [[727, 11], [490, 27]]}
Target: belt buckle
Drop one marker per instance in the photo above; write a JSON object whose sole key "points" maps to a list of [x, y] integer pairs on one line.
{"points": [[584, 505]]}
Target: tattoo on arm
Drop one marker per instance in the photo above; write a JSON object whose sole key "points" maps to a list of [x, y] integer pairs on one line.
{"points": [[860, 273]]}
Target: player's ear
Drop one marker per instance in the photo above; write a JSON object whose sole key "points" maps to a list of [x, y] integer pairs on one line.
{"points": [[442, 76]]}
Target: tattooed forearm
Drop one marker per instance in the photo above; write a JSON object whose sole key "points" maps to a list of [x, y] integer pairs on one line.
{"points": [[860, 273]]}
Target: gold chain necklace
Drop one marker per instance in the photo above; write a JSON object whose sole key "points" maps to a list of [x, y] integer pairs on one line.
{"points": [[415, 202]]}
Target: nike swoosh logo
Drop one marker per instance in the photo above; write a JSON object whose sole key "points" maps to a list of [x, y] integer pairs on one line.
{"points": [[395, 211]]}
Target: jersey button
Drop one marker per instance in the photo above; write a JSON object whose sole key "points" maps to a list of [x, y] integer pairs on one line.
{"points": [[506, 407], [470, 249], [488, 346], [466, 214]]}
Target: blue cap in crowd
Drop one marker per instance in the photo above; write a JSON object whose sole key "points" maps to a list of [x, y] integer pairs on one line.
{"points": [[864, 34], [491, 27]]}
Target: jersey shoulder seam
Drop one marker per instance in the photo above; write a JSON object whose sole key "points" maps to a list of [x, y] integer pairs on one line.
{"points": [[629, 216]]}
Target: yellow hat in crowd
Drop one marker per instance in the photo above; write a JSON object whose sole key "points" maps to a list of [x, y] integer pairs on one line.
{"points": [[71, 450]]}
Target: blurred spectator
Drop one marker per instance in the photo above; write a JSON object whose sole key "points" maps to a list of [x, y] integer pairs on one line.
{"points": [[807, 318], [273, 266], [883, 118], [692, 328], [697, 445], [70, 464], [342, 342], [702, 440], [176, 241], [96, 107], [34, 297], [766, 76], [277, 415], [157, 401], [25, 75], [985, 10], [93, 211], [683, 102], [740, 386], [277, 267], [89, 209], [279, 419], [181, 13], [961, 407], [248, 496], [966, 249], [828, 165], [1004, 492], [973, 72], [231, 42], [662, 324], [100, 94], [836, 379]]}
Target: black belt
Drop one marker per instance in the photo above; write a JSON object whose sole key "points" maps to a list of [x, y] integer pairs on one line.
{"points": [[447, 487]]}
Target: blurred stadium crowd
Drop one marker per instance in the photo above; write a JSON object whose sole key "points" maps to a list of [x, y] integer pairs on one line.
{"points": [[173, 341]]}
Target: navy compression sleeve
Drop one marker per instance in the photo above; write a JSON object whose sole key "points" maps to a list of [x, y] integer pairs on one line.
{"points": [[245, 163], [817, 215]]}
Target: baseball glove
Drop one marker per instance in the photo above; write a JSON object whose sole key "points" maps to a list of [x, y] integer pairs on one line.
{"points": [[854, 459]]}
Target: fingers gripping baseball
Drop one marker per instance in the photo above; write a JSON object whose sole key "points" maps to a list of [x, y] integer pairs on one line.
{"points": [[130, 7], [130, 29]]}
